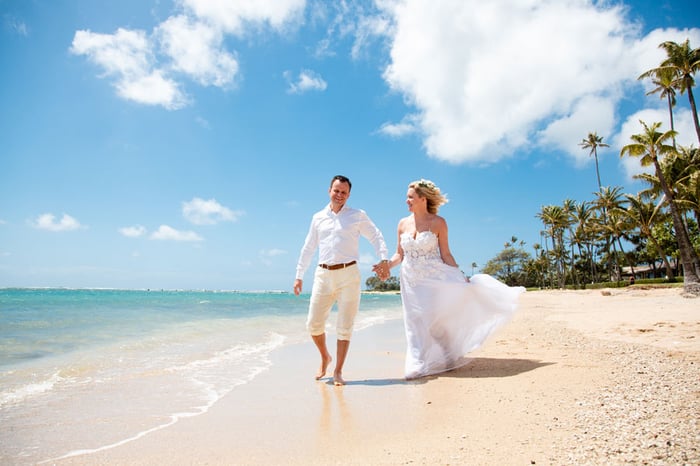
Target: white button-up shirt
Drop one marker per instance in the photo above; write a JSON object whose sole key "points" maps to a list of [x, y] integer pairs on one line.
{"points": [[337, 237]]}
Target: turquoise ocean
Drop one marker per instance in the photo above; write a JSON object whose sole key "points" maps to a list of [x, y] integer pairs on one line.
{"points": [[125, 363]]}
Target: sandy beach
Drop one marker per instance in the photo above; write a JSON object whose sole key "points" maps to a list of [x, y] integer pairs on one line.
{"points": [[577, 377]]}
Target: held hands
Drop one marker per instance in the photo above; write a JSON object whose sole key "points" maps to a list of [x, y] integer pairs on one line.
{"points": [[382, 269]]}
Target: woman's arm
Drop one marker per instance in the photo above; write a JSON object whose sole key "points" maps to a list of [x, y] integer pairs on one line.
{"points": [[440, 229], [397, 258]]}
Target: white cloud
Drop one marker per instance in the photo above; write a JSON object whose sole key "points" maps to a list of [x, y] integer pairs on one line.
{"points": [[168, 233], [201, 212], [186, 45], [128, 57], [486, 77], [405, 127], [594, 112], [307, 80], [152, 89], [125, 52], [203, 122], [15, 25], [133, 231], [196, 49], [266, 255], [366, 29], [50, 223], [367, 259], [235, 17], [323, 49], [272, 252]]}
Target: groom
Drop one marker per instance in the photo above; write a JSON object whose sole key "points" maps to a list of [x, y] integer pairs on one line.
{"points": [[335, 231]]}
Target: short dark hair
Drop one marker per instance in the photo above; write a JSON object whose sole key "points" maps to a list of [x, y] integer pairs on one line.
{"points": [[342, 179]]}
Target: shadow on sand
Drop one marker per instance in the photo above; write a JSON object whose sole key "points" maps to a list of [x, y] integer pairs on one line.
{"points": [[475, 368], [495, 367], [379, 382]]}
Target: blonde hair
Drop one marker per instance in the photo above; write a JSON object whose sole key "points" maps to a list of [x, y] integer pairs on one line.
{"points": [[428, 190]]}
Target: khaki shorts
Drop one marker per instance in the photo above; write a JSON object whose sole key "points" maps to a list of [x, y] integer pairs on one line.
{"points": [[340, 286]]}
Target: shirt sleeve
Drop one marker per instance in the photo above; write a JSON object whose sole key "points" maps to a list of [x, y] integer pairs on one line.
{"points": [[370, 231], [308, 250]]}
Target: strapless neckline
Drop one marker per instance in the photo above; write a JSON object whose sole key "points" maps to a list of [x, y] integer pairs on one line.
{"points": [[417, 234]]}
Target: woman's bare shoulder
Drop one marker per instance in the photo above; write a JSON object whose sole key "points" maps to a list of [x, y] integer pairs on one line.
{"points": [[439, 222], [404, 222]]}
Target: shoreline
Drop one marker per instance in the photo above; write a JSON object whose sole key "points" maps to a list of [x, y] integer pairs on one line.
{"points": [[576, 377]]}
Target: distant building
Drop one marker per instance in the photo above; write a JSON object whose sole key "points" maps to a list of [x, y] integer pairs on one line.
{"points": [[649, 271]]}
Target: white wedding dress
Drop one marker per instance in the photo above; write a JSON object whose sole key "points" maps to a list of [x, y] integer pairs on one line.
{"points": [[445, 317]]}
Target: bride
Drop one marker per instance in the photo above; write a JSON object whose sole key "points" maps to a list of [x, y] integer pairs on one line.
{"points": [[446, 315]]}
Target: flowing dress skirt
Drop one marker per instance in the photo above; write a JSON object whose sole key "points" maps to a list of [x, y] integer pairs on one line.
{"points": [[445, 317]]}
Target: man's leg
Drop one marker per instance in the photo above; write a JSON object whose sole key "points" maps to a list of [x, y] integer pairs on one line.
{"points": [[341, 353], [319, 308], [320, 342], [348, 305]]}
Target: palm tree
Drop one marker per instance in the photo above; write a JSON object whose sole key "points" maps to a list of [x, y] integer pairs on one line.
{"points": [[651, 147], [686, 177], [682, 173], [539, 277], [645, 215], [569, 207], [583, 216], [593, 142], [619, 225], [608, 200], [685, 62], [556, 220], [664, 79]]}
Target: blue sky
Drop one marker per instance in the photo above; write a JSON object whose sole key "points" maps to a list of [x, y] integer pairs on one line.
{"points": [[186, 144]]}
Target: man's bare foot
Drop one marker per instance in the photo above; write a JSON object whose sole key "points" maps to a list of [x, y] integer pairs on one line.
{"points": [[338, 379], [324, 365]]}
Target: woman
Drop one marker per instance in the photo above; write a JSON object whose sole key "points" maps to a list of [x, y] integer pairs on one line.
{"points": [[445, 314]]}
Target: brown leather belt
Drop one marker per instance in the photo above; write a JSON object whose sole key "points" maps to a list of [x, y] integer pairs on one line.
{"points": [[336, 266]]}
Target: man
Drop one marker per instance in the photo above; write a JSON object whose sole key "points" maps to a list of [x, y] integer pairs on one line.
{"points": [[336, 231]]}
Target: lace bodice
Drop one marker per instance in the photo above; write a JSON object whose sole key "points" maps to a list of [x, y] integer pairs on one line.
{"points": [[421, 257], [421, 248]]}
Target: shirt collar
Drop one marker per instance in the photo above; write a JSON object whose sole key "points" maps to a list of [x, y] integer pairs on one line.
{"points": [[329, 211]]}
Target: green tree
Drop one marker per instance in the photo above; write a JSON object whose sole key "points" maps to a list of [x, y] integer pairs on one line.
{"points": [[509, 264], [681, 170], [686, 176], [375, 284], [593, 142], [664, 78], [585, 233], [685, 62], [556, 220], [651, 146], [645, 215], [536, 267], [607, 201]]}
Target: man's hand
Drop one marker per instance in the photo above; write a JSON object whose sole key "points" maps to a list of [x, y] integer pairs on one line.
{"points": [[297, 287], [382, 270]]}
